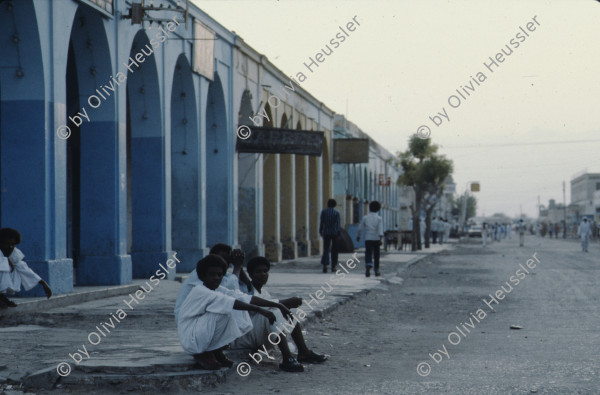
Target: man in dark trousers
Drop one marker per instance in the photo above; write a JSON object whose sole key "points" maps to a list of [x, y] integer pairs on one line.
{"points": [[329, 229]]}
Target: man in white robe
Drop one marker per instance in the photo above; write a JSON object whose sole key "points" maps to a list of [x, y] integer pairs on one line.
{"points": [[207, 320], [14, 271], [230, 280], [258, 270], [584, 232], [484, 231]]}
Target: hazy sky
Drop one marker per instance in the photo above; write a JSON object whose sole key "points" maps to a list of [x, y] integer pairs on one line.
{"points": [[529, 125]]}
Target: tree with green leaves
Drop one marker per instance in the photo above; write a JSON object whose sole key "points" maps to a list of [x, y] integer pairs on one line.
{"points": [[425, 171], [457, 204]]}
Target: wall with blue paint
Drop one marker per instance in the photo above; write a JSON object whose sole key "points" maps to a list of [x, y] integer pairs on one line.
{"points": [[105, 199]]}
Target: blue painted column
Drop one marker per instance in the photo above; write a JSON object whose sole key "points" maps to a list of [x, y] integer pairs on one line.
{"points": [[31, 158]]}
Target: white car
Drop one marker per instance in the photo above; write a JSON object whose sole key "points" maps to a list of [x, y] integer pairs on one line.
{"points": [[475, 231]]}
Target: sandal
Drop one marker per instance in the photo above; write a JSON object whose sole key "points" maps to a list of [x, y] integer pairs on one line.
{"points": [[291, 365], [222, 359], [207, 361], [313, 358]]}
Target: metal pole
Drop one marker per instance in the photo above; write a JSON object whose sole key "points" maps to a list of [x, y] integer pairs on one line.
{"points": [[464, 207]]}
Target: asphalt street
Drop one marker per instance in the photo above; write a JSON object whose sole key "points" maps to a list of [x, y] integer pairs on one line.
{"points": [[440, 326], [377, 341]]}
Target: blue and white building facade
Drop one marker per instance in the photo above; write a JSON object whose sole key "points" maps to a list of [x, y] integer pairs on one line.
{"points": [[118, 144]]}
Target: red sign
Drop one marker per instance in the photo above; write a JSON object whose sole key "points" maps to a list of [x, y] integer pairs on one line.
{"points": [[383, 181]]}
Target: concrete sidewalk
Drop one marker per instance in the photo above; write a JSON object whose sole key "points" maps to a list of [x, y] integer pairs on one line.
{"points": [[142, 350]]}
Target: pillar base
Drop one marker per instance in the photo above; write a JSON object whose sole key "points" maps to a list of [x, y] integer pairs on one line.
{"points": [[145, 264], [104, 270], [303, 247], [273, 251], [58, 273], [316, 246], [290, 250]]}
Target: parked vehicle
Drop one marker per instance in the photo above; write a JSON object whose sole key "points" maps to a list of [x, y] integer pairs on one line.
{"points": [[474, 231]]}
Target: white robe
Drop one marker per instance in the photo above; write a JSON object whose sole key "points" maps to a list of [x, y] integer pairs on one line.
{"points": [[21, 276], [584, 230], [259, 335], [207, 320], [229, 281]]}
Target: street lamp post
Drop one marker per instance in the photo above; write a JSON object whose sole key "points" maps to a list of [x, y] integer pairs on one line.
{"points": [[474, 188]]}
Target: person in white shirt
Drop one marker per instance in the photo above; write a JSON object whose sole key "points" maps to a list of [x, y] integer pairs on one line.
{"points": [[584, 232], [206, 322], [14, 272], [422, 227], [372, 227]]}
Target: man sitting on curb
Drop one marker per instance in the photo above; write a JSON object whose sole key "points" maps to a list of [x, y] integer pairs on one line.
{"points": [[230, 280], [14, 272], [258, 270], [206, 322]]}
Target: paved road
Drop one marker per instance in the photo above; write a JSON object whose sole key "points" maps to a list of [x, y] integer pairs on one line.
{"points": [[377, 341], [142, 350]]}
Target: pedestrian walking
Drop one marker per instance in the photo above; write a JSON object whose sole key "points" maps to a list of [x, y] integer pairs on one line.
{"points": [[484, 234], [329, 229], [521, 229], [372, 227], [584, 232], [447, 227]]}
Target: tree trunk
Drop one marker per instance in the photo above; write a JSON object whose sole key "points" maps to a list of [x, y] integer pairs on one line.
{"points": [[428, 228], [416, 242]]}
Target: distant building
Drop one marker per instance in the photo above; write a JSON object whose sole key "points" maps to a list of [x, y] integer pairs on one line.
{"points": [[553, 213], [583, 194]]}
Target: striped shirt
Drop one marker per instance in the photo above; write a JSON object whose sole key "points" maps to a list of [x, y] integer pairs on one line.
{"points": [[330, 222]]}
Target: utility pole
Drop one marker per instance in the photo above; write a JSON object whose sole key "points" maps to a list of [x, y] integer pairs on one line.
{"points": [[474, 188]]}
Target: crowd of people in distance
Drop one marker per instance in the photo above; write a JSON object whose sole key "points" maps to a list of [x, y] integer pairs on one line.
{"points": [[496, 232], [14, 271], [216, 310]]}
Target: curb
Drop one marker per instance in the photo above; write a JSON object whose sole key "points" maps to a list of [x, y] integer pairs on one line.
{"points": [[68, 299]]}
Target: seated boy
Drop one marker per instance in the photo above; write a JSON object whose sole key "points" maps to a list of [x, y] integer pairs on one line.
{"points": [[206, 321], [230, 280], [258, 270], [14, 272]]}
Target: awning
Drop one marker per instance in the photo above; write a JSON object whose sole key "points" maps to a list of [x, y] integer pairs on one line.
{"points": [[279, 141]]}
